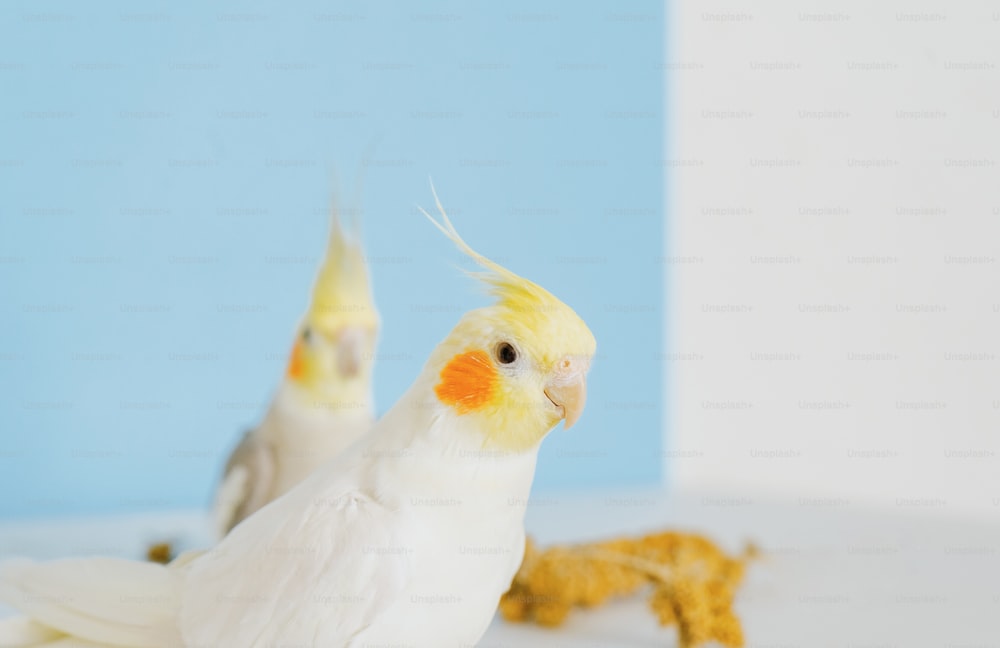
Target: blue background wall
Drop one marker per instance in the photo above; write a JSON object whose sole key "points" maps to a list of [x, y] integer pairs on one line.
{"points": [[165, 176]]}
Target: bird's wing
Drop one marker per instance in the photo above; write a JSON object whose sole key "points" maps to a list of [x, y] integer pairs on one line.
{"points": [[308, 569], [21, 632], [102, 600], [246, 484], [184, 560]]}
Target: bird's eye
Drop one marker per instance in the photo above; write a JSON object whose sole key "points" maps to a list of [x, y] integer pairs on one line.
{"points": [[306, 334], [506, 353]]}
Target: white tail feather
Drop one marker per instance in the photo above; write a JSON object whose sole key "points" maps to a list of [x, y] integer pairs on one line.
{"points": [[21, 632], [101, 600]]}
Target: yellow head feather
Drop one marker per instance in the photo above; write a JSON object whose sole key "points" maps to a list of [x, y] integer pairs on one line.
{"points": [[523, 304], [342, 293], [512, 410], [332, 356]]}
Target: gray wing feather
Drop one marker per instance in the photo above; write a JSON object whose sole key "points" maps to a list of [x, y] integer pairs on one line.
{"points": [[246, 484]]}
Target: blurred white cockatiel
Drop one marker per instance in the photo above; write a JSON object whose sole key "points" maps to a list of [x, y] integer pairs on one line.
{"points": [[324, 402], [407, 539]]}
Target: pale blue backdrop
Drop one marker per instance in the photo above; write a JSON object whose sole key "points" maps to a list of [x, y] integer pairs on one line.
{"points": [[165, 174]]}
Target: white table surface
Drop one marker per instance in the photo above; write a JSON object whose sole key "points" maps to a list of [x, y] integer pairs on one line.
{"points": [[834, 574]]}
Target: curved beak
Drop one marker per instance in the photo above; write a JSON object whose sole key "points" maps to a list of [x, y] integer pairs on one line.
{"points": [[570, 395], [350, 351]]}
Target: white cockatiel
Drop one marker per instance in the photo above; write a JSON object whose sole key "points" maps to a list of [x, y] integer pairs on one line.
{"points": [[407, 539], [324, 402]]}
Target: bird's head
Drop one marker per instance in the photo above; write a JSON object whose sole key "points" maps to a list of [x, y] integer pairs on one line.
{"points": [[332, 357], [516, 368]]}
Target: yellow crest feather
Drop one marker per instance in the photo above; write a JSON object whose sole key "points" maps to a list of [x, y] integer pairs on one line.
{"points": [[342, 294], [510, 411], [526, 305], [513, 291]]}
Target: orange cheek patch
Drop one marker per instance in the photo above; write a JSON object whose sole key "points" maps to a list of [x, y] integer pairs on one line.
{"points": [[468, 382], [297, 362]]}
